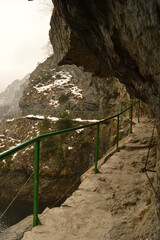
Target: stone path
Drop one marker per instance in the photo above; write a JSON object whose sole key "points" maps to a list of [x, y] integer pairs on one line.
{"points": [[116, 203]]}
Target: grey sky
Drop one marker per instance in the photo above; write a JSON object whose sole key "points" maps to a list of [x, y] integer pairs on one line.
{"points": [[24, 27]]}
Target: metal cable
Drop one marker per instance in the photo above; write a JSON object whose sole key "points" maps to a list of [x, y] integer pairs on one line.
{"points": [[150, 146], [145, 170], [66, 192], [54, 204], [15, 197]]}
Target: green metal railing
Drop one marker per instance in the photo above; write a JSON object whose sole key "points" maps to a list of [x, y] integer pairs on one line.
{"points": [[36, 141]]}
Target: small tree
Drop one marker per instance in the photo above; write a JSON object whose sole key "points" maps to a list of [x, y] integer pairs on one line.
{"points": [[51, 147]]}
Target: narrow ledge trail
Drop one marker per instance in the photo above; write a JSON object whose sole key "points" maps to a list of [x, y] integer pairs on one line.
{"points": [[117, 203]]}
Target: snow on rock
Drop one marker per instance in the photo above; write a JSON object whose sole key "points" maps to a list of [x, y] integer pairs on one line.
{"points": [[44, 88], [2, 146], [70, 148], [27, 149], [14, 156], [45, 167], [76, 91], [11, 139], [54, 103], [40, 117], [35, 116], [87, 120], [10, 120], [62, 80], [65, 78], [80, 130]]}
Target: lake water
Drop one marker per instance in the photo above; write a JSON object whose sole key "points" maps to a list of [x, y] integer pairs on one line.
{"points": [[16, 213]]}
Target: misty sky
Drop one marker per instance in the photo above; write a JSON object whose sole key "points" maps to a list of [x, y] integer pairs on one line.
{"points": [[24, 27]]}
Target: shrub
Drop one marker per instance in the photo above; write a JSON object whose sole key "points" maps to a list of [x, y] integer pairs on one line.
{"points": [[63, 98], [51, 147], [65, 121], [47, 76], [45, 126], [85, 144]]}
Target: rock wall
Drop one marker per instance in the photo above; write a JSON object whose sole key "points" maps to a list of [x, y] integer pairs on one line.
{"points": [[111, 38], [119, 38]]}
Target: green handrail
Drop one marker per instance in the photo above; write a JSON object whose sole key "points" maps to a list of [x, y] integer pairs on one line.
{"points": [[131, 110], [36, 220], [139, 105], [117, 133], [97, 143], [37, 139]]}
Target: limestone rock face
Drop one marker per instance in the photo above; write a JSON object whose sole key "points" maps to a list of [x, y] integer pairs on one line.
{"points": [[112, 38]]}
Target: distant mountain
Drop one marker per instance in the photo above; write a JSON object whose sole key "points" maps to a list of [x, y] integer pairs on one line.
{"points": [[9, 99]]}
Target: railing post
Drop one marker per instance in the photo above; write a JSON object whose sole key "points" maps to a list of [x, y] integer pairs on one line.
{"points": [[125, 106], [120, 109], [139, 111], [117, 133], [97, 143], [131, 108], [36, 220]]}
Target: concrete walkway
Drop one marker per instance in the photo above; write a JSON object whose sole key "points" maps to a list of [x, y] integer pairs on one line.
{"points": [[113, 204]]}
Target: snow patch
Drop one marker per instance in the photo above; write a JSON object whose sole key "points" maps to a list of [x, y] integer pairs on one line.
{"points": [[45, 167], [87, 120], [76, 91], [14, 156], [40, 117], [70, 148], [44, 88], [10, 120], [80, 130], [53, 119], [2, 146], [54, 103]]}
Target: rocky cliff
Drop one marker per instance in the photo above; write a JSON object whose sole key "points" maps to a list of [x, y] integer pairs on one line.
{"points": [[111, 38], [119, 38], [53, 89]]}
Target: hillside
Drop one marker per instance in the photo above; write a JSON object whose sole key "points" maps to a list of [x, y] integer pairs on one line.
{"points": [[53, 89]]}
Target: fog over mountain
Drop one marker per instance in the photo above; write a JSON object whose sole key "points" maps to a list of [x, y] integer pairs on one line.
{"points": [[24, 27], [9, 99]]}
